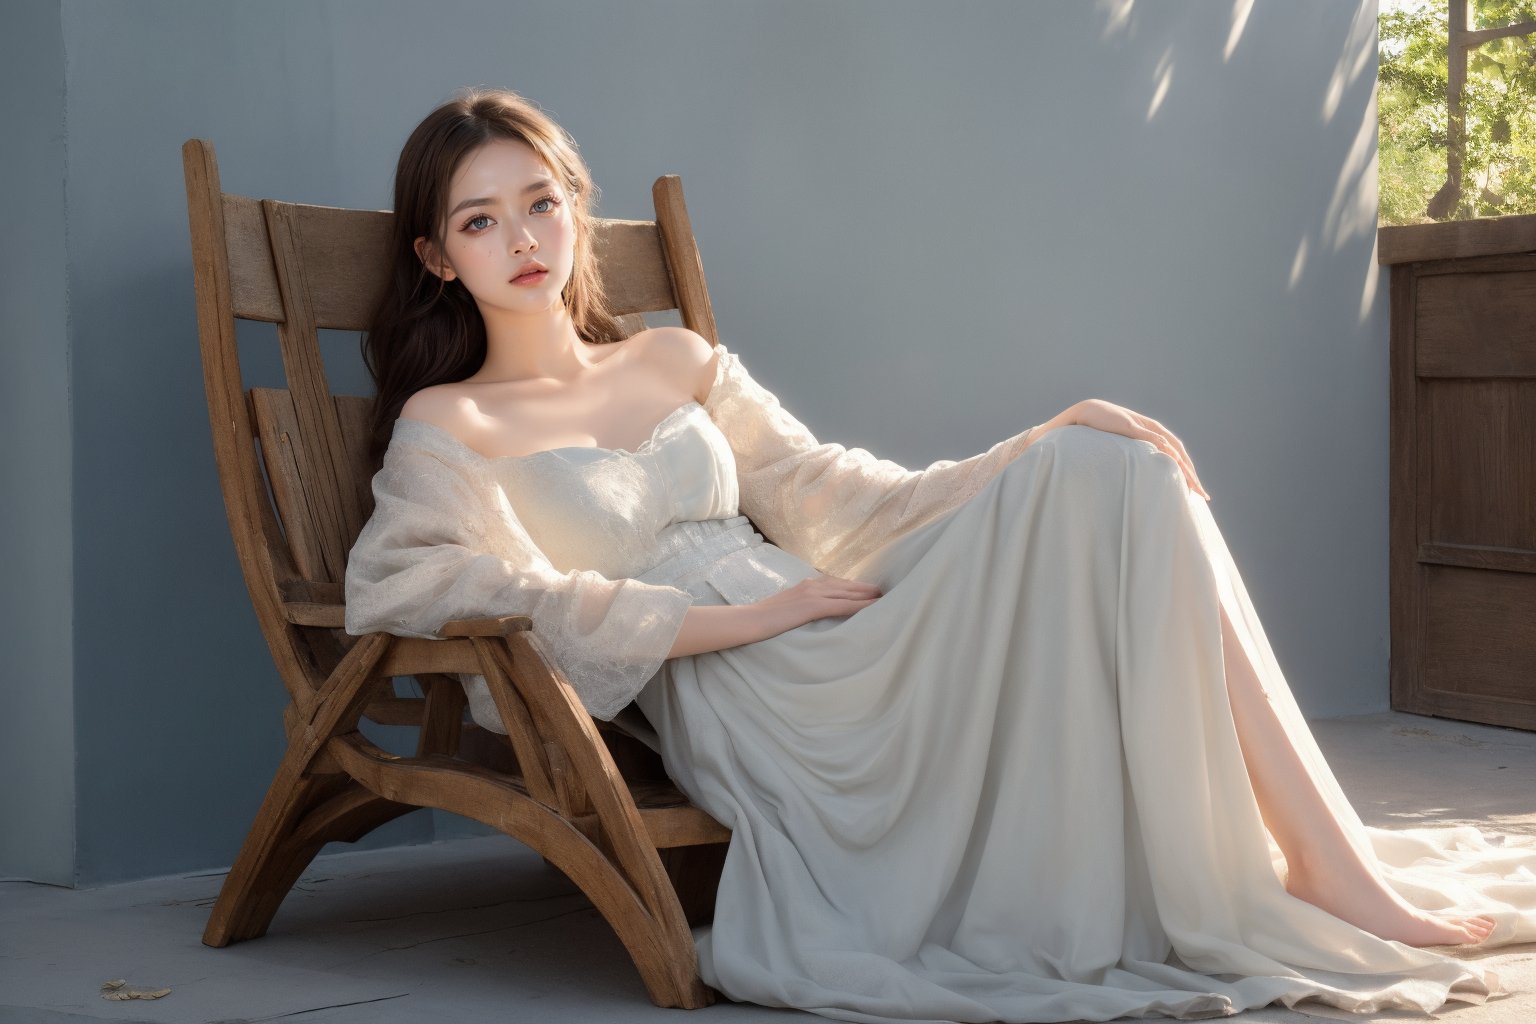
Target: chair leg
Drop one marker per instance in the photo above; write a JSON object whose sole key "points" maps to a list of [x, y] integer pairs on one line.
{"points": [[301, 811], [299, 816], [663, 953], [650, 925], [267, 865]]}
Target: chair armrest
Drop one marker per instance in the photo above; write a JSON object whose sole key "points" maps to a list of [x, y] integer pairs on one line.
{"points": [[311, 603], [497, 625], [313, 613]]}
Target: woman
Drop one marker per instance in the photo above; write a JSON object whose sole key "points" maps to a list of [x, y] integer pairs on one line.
{"points": [[1001, 739]]}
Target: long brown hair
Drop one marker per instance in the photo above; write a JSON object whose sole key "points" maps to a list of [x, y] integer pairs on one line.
{"points": [[428, 331]]}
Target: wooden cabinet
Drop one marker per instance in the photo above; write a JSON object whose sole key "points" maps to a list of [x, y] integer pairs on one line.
{"points": [[1463, 473]]}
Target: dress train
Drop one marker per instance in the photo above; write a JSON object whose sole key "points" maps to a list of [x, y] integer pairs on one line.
{"points": [[1012, 789]]}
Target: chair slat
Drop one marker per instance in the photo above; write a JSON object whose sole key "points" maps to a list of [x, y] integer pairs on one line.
{"points": [[326, 616], [630, 324], [345, 256], [253, 281], [344, 253], [321, 456], [277, 425], [634, 270], [671, 827], [355, 414], [683, 260], [284, 572]]}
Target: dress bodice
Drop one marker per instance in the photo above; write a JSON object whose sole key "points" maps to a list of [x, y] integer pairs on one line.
{"points": [[665, 513], [605, 508]]}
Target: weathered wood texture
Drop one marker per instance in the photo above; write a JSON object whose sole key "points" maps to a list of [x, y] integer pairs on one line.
{"points": [[682, 254], [1463, 474], [294, 470], [1457, 239]]}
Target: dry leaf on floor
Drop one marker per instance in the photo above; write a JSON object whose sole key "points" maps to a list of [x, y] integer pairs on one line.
{"points": [[117, 989]]}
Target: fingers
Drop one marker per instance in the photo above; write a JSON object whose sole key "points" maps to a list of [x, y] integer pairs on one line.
{"points": [[1168, 442], [839, 585], [851, 591], [839, 597], [847, 606]]}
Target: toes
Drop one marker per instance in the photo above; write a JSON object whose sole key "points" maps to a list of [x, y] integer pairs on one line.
{"points": [[1477, 928]]}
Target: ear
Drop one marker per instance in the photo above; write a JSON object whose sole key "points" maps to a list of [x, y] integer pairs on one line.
{"points": [[432, 258]]}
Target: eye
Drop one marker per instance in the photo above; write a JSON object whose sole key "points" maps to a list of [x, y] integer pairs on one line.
{"points": [[479, 222], [545, 205]]}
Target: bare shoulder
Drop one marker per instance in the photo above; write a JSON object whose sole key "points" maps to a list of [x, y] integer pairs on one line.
{"points": [[447, 406], [682, 356]]}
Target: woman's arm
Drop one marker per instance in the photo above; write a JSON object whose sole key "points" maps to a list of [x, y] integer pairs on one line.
{"points": [[833, 506], [716, 627], [829, 505], [443, 544]]}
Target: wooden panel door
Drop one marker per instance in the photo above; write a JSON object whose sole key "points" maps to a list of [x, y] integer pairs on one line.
{"points": [[1463, 488]]}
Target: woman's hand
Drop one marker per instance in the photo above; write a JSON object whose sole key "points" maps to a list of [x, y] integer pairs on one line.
{"points": [[817, 597], [716, 627], [1117, 419]]}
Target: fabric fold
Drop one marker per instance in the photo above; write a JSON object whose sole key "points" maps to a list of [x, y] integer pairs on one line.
{"points": [[1008, 790], [443, 543]]}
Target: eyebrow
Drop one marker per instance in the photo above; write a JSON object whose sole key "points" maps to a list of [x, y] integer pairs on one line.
{"points": [[535, 186]]}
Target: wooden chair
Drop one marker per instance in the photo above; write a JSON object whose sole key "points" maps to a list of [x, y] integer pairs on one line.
{"points": [[295, 476]]}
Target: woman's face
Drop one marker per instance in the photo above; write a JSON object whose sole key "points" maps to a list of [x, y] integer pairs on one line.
{"points": [[508, 235]]}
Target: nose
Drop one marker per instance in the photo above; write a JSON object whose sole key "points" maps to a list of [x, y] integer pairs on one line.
{"points": [[523, 242]]}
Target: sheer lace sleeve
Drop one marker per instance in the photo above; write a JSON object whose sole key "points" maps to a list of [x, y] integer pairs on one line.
{"points": [[443, 543], [831, 505]]}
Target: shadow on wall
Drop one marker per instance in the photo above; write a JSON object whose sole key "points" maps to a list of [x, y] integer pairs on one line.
{"points": [[1351, 212]]}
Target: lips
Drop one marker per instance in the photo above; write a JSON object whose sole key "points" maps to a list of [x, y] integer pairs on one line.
{"points": [[531, 273]]}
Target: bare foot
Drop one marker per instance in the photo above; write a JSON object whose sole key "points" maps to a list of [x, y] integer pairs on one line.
{"points": [[1368, 905]]}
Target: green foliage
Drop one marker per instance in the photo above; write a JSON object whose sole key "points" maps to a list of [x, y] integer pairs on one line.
{"points": [[1499, 165]]}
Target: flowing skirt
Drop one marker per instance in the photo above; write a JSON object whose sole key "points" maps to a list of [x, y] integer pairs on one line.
{"points": [[1011, 789]]}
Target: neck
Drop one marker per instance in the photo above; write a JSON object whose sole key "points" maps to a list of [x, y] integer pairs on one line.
{"points": [[524, 346]]}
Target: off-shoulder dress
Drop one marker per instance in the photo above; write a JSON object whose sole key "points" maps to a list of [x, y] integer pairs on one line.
{"points": [[1010, 789]]}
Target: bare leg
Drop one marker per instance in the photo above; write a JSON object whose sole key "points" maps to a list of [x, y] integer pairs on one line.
{"points": [[1324, 868]]}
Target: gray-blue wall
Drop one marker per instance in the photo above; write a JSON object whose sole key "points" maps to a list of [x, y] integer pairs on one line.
{"points": [[925, 225], [37, 730]]}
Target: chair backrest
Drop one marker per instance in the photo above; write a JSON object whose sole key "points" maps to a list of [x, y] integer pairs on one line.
{"points": [[293, 462]]}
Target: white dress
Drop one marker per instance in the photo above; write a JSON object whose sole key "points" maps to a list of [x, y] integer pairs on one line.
{"points": [[1010, 789]]}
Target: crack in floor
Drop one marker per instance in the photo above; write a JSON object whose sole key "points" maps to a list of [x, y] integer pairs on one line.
{"points": [[311, 1009]]}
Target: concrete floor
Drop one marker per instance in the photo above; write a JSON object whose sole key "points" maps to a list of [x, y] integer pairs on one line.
{"points": [[481, 930]]}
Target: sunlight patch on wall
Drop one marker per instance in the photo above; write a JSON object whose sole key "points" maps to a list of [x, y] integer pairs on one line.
{"points": [[1117, 16], [1240, 11], [1372, 281], [1352, 210], [1299, 264], [1359, 54], [1162, 78]]}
